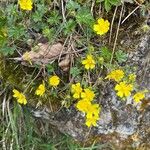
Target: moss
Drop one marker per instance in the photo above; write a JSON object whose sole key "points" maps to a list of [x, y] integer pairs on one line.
{"points": [[10, 73]]}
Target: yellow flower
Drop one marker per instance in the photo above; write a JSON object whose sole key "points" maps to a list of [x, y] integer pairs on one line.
{"points": [[92, 121], [83, 105], [93, 110], [26, 56], [101, 27], [54, 80], [25, 4], [89, 62], [123, 89], [76, 89], [20, 97], [139, 96], [116, 75], [132, 77], [88, 94], [40, 90]]}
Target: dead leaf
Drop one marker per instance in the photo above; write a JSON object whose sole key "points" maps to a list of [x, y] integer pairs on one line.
{"points": [[43, 53], [64, 64]]}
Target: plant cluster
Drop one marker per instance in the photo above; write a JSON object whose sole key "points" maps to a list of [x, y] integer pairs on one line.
{"points": [[75, 19], [85, 103], [125, 85], [53, 82]]}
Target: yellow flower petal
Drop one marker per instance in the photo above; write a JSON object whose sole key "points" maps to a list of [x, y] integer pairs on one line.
{"points": [[116, 75], [139, 96], [25, 4], [88, 94], [54, 80], [40, 90], [20, 97], [124, 90], [101, 27], [76, 89], [89, 62]]}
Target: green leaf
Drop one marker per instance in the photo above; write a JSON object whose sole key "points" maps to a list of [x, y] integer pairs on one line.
{"points": [[3, 21], [105, 53], [16, 32], [48, 32], [114, 2], [121, 56], [99, 1], [84, 16], [54, 18], [74, 71], [72, 5], [107, 5], [7, 50], [69, 26], [39, 13], [49, 68]]}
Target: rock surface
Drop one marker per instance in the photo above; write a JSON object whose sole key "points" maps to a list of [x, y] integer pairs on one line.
{"points": [[121, 123]]}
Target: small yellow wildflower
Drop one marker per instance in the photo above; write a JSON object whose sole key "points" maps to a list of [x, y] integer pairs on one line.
{"points": [[93, 110], [101, 27], [83, 105], [132, 77], [116, 75], [20, 97], [40, 90], [92, 121], [76, 89], [25, 4], [123, 89], [88, 94], [139, 96], [89, 62], [54, 80], [26, 57]]}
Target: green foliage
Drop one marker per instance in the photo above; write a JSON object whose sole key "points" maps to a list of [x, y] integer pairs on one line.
{"points": [[75, 71], [16, 32], [39, 13], [6, 50], [49, 68], [3, 20], [120, 56], [69, 26], [12, 15], [106, 53], [54, 18], [3, 30], [109, 3], [85, 17], [48, 32], [72, 5]]}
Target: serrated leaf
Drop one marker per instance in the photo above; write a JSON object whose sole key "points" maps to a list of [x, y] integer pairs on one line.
{"points": [[49, 68], [121, 56], [54, 18], [114, 2], [7, 50], [106, 53], [72, 5], [74, 71], [16, 32], [107, 5], [84, 16], [69, 26]]}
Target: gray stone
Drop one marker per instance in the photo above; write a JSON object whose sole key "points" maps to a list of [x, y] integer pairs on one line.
{"points": [[119, 120]]}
